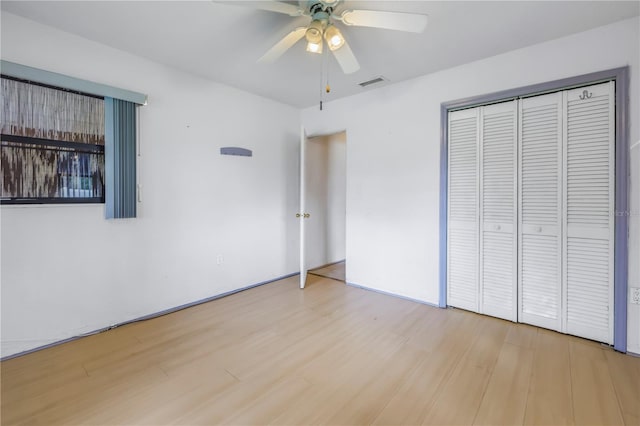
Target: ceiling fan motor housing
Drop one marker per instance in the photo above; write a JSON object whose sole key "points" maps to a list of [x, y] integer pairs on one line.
{"points": [[326, 5]]}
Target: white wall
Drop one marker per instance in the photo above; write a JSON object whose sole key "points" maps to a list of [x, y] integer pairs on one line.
{"points": [[325, 198], [66, 270], [393, 155], [337, 196]]}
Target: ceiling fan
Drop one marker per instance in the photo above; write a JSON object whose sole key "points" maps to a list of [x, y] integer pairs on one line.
{"points": [[322, 26]]}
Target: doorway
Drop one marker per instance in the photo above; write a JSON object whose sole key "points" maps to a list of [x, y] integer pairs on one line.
{"points": [[325, 202]]}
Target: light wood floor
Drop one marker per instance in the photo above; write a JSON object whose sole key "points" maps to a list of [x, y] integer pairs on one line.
{"points": [[329, 354], [335, 270]]}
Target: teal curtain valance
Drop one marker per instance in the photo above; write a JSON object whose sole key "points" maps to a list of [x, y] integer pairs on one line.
{"points": [[36, 75]]}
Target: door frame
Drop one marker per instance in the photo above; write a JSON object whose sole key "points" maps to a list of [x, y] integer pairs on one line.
{"points": [[621, 220], [304, 137], [302, 213]]}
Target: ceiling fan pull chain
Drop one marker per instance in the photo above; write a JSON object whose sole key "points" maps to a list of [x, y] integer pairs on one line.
{"points": [[326, 67], [321, 80]]}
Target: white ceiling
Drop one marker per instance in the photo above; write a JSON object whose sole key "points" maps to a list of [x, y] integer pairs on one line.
{"points": [[223, 41]]}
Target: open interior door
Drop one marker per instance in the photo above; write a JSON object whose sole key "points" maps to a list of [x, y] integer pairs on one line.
{"points": [[302, 214]]}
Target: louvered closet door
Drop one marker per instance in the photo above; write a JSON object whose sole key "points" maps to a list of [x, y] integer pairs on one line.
{"points": [[462, 221], [540, 196], [498, 214], [589, 206]]}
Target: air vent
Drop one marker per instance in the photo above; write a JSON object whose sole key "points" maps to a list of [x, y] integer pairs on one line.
{"points": [[372, 81]]}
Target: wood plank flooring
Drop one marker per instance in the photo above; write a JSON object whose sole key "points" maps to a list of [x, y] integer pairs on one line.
{"points": [[329, 354], [337, 271]]}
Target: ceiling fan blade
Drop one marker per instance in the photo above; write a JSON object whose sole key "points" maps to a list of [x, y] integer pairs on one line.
{"points": [[399, 21], [346, 59], [271, 6], [283, 45]]}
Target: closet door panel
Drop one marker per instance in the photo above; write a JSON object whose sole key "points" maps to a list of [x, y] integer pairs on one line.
{"points": [[589, 206], [540, 219], [498, 244], [462, 221]]}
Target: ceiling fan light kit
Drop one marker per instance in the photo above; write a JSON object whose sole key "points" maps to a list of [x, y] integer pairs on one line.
{"points": [[314, 47], [314, 35], [322, 27], [314, 31], [333, 36]]}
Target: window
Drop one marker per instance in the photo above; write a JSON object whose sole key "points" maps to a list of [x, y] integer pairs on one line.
{"points": [[52, 145]]}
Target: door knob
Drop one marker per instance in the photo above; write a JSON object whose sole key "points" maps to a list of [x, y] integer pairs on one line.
{"points": [[298, 214], [306, 215]]}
